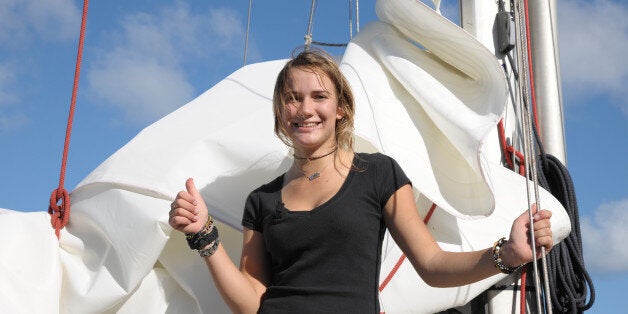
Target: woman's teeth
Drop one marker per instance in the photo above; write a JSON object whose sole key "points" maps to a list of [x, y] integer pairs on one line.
{"points": [[306, 125]]}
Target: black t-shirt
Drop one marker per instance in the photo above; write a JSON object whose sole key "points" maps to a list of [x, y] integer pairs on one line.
{"points": [[326, 260]]}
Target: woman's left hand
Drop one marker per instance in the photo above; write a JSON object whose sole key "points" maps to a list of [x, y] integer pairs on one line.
{"points": [[518, 249]]}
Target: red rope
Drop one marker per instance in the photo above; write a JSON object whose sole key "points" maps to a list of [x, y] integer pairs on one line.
{"points": [[60, 213], [528, 43], [522, 297], [394, 270], [509, 150]]}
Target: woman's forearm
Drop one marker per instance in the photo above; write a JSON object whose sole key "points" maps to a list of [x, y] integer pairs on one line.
{"points": [[241, 292]]}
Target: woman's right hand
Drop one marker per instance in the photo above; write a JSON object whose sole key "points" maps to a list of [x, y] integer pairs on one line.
{"points": [[188, 212]]}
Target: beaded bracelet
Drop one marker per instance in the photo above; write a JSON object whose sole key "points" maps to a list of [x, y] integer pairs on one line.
{"points": [[210, 250], [198, 240], [498, 261]]}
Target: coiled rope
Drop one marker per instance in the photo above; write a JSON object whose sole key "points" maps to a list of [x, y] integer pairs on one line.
{"points": [[60, 212], [566, 263]]}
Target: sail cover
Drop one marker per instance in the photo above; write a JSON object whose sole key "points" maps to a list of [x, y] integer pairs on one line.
{"points": [[427, 93]]}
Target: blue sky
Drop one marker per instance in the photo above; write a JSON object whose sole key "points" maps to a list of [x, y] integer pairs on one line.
{"points": [[144, 59]]}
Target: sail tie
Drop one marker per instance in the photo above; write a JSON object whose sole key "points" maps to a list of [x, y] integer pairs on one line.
{"points": [[511, 154], [402, 258], [60, 213]]}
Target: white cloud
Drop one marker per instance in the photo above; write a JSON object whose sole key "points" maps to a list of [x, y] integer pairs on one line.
{"points": [[604, 238], [59, 19], [144, 89], [8, 120], [51, 19], [6, 76], [593, 43], [144, 74], [22, 23]]}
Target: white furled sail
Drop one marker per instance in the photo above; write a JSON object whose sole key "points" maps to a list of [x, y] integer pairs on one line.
{"points": [[431, 109]]}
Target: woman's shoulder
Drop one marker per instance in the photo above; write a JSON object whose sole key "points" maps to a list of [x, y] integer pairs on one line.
{"points": [[376, 157], [379, 162], [270, 187]]}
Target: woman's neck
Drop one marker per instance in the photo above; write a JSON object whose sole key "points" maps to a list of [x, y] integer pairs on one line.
{"points": [[309, 157], [315, 166]]}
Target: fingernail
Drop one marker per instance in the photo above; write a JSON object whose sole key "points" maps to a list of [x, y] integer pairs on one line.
{"points": [[195, 202], [195, 211], [194, 219]]}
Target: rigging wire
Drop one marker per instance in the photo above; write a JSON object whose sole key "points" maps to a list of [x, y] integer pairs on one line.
{"points": [[310, 26], [567, 272], [308, 35], [357, 16], [527, 94], [60, 213], [532, 118], [350, 21], [248, 28]]}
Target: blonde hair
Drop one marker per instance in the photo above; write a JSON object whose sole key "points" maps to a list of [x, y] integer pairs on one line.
{"points": [[322, 64]]}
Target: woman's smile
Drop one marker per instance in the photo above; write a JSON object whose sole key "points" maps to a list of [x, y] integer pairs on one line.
{"points": [[306, 126]]}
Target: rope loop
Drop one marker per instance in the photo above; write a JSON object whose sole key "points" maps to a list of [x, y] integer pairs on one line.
{"points": [[59, 212], [59, 215]]}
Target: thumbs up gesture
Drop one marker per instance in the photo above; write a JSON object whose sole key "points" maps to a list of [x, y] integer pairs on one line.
{"points": [[188, 212]]}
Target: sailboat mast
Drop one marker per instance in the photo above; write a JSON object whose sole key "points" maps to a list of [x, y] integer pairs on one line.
{"points": [[543, 30], [477, 17]]}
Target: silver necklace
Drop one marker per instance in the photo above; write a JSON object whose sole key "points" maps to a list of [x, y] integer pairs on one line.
{"points": [[314, 175]]}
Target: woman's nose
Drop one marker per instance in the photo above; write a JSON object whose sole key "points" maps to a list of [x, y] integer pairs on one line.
{"points": [[306, 107]]}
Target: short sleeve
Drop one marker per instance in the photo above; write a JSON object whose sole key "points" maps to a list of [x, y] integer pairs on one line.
{"points": [[252, 216], [390, 178]]}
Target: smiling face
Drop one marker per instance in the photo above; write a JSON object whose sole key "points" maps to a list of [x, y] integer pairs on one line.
{"points": [[310, 111], [313, 71]]}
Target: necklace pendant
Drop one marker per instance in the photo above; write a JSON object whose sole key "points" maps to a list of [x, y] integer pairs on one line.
{"points": [[313, 176]]}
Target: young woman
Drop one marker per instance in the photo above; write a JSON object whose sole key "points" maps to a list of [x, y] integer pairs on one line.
{"points": [[313, 236]]}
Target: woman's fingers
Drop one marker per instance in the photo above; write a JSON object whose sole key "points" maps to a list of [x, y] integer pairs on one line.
{"points": [[185, 199], [183, 210], [179, 222], [520, 233], [542, 214], [543, 230]]}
